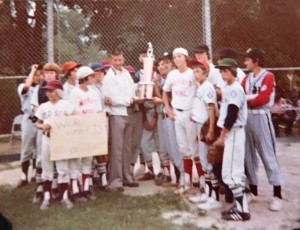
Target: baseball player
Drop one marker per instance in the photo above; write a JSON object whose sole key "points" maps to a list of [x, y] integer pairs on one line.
{"points": [[205, 109], [101, 161], [119, 94], [182, 84], [50, 72], [85, 101], [69, 70], [259, 88], [232, 120], [54, 107], [29, 130]]}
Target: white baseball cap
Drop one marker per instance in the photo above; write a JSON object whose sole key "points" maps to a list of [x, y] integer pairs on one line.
{"points": [[83, 72], [180, 50]]}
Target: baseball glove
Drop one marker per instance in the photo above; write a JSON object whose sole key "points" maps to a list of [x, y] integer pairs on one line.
{"points": [[215, 153]]}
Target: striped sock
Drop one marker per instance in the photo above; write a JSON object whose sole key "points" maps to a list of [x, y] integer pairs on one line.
{"points": [[215, 185]]}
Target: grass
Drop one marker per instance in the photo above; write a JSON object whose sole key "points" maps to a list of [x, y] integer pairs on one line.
{"points": [[110, 211]]}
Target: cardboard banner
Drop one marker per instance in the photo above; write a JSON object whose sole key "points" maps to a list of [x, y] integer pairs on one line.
{"points": [[78, 136]]}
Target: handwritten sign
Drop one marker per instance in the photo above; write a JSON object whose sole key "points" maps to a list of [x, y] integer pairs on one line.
{"points": [[78, 136]]}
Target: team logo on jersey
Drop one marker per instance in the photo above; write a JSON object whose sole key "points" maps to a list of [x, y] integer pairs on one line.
{"points": [[263, 88], [233, 94], [210, 95]]}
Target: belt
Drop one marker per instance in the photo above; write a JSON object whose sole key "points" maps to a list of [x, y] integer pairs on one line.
{"points": [[46, 134], [257, 111]]}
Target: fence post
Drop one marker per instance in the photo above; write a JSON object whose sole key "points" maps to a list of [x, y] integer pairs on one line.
{"points": [[207, 25], [50, 44]]}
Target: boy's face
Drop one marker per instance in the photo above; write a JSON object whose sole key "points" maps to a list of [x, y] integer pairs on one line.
{"points": [[141, 57], [168, 65], [72, 76], [99, 76], [179, 60], [52, 95], [201, 56], [199, 74], [161, 67], [49, 75], [37, 77], [226, 75], [250, 65]]}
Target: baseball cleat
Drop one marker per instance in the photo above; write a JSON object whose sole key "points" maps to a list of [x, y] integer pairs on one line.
{"points": [[230, 210], [45, 205], [89, 195], [276, 204], [22, 183], [251, 197], [147, 176], [38, 197], [200, 198], [236, 216], [67, 203], [210, 204]]}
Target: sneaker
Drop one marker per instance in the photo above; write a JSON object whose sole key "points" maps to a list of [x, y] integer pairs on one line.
{"points": [[251, 197], [182, 190], [140, 171], [167, 182], [236, 216], [78, 197], [45, 205], [38, 197], [159, 179], [230, 210], [276, 204], [200, 198], [147, 176], [210, 204], [89, 195], [67, 203], [22, 183]]}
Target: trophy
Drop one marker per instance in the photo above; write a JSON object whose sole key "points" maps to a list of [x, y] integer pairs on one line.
{"points": [[146, 84]]}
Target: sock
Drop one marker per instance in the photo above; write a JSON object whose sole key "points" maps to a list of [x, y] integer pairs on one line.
{"points": [[142, 160], [188, 171], [241, 204], [215, 185], [55, 175], [167, 168], [253, 189], [177, 174], [38, 175], [33, 163], [150, 168], [47, 189], [277, 191], [199, 167], [75, 187], [208, 182], [63, 189], [85, 182], [25, 166], [101, 168]]}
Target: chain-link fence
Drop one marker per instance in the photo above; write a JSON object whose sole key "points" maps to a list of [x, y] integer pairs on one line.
{"points": [[84, 31]]}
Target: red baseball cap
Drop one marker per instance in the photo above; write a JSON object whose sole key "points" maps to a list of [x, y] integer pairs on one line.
{"points": [[192, 63], [55, 84], [69, 65], [106, 63], [130, 68]]}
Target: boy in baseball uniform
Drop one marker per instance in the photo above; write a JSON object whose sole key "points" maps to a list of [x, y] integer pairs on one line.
{"points": [[182, 84], [205, 109], [29, 130], [54, 107], [50, 72], [85, 101], [232, 120], [259, 86]]}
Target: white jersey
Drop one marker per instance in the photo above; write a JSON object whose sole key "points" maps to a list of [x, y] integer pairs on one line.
{"points": [[205, 95], [214, 75], [183, 87], [34, 102], [233, 94], [26, 98], [47, 110], [85, 101], [98, 89], [67, 90]]}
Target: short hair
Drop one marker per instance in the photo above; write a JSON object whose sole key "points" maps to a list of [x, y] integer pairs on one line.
{"points": [[116, 52], [231, 69], [204, 69]]}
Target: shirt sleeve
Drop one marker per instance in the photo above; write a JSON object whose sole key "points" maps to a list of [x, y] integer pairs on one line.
{"points": [[210, 96], [34, 99], [168, 83], [265, 91], [235, 98]]}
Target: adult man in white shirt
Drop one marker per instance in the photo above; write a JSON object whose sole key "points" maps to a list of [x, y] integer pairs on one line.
{"points": [[119, 93]]}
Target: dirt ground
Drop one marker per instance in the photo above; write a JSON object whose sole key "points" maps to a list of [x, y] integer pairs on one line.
{"points": [[261, 218]]}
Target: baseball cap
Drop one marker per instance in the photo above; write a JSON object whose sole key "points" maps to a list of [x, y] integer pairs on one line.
{"points": [[130, 68], [180, 50], [201, 48], [227, 62], [192, 63], [255, 53], [83, 72], [51, 85], [227, 53], [96, 66], [69, 65], [106, 63]]}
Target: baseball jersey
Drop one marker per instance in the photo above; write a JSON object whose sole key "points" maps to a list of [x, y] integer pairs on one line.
{"points": [[233, 94], [26, 98], [98, 89], [85, 101], [206, 94], [120, 88], [183, 87], [67, 90], [262, 84], [214, 75], [48, 110]]}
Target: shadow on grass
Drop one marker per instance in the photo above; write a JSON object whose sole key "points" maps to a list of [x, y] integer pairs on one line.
{"points": [[108, 211]]}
